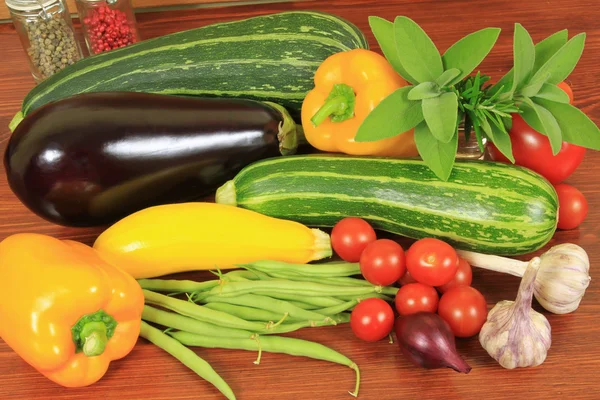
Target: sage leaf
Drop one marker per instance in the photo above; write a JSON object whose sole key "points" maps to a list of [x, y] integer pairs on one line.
{"points": [[534, 85], [447, 77], [466, 54], [418, 55], [576, 127], [543, 51], [546, 124], [424, 90], [438, 156], [501, 140], [562, 63], [393, 116], [383, 31], [553, 93], [548, 47], [524, 57], [440, 114]]}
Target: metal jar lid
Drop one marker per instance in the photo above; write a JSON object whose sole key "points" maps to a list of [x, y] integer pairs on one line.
{"points": [[30, 5]]}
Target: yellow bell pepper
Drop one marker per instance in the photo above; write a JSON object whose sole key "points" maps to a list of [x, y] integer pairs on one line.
{"points": [[181, 237], [64, 310], [348, 86]]}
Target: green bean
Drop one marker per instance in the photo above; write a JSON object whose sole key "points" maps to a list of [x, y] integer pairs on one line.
{"points": [[290, 287], [202, 313], [273, 344], [339, 308], [174, 285], [247, 313], [367, 296], [250, 275], [317, 301], [301, 304], [267, 303], [188, 357], [177, 321], [330, 269], [294, 326]]}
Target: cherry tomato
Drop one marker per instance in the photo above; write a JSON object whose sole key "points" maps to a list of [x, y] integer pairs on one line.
{"points": [[572, 206], [432, 261], [464, 309], [383, 262], [372, 319], [350, 236], [532, 150], [567, 89], [406, 279], [416, 297], [463, 277]]}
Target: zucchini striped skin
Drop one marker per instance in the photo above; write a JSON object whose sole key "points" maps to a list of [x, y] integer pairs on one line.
{"points": [[272, 57], [488, 207]]}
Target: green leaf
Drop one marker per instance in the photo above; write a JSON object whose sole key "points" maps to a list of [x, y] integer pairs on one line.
{"points": [[534, 85], [393, 116], [383, 31], [418, 55], [547, 47], [424, 90], [438, 156], [542, 120], [543, 51], [562, 63], [447, 77], [440, 114], [501, 140], [553, 93], [466, 54], [524, 57], [575, 126]]}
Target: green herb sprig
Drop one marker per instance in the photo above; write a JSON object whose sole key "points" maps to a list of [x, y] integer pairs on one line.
{"points": [[443, 94]]}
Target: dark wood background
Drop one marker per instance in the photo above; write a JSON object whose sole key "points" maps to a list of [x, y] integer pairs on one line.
{"points": [[570, 371]]}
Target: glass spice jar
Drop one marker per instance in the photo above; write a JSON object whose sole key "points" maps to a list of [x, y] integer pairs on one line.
{"points": [[47, 35], [107, 24]]}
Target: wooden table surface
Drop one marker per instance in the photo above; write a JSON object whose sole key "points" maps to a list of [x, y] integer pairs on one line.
{"points": [[570, 370]]}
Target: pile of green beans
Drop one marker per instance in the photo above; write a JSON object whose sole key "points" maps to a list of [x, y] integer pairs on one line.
{"points": [[246, 308]]}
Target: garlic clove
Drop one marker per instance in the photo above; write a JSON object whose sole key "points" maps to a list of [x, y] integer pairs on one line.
{"points": [[563, 278]]}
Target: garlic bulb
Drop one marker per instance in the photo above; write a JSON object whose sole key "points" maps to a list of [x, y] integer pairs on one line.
{"points": [[563, 278], [514, 334]]}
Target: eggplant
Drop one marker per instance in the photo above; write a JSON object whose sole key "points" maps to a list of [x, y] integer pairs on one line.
{"points": [[94, 158]]}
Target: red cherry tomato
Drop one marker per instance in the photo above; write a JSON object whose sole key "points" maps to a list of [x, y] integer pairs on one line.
{"points": [[383, 262], [567, 89], [416, 297], [432, 261], [464, 309], [406, 279], [350, 236], [372, 319], [532, 150], [572, 206], [463, 277]]}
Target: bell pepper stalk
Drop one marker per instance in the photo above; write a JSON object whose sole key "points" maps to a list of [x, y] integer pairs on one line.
{"points": [[67, 312], [348, 86]]}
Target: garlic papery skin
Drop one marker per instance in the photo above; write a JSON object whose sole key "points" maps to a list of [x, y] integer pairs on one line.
{"points": [[563, 278], [514, 334]]}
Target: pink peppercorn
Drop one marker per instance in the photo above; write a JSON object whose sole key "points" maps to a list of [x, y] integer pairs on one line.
{"points": [[108, 29]]}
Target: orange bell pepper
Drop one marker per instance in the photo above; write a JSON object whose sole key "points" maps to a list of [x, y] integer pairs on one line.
{"points": [[64, 310], [348, 86]]}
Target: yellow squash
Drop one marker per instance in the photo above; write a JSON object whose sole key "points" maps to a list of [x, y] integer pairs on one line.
{"points": [[197, 236]]}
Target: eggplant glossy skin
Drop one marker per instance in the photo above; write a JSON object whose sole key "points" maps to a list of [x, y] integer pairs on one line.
{"points": [[92, 159]]}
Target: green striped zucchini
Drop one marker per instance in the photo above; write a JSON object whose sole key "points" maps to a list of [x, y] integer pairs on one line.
{"points": [[271, 57], [487, 207]]}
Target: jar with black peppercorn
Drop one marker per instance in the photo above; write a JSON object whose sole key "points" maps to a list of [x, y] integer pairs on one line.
{"points": [[47, 35], [107, 24]]}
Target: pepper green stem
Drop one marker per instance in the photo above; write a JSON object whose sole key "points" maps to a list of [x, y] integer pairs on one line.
{"points": [[339, 105], [94, 338], [92, 332]]}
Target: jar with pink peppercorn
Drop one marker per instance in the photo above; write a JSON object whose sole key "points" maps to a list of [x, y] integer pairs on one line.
{"points": [[107, 24]]}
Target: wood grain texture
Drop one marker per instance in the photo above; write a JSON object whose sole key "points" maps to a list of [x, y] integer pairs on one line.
{"points": [[149, 373]]}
